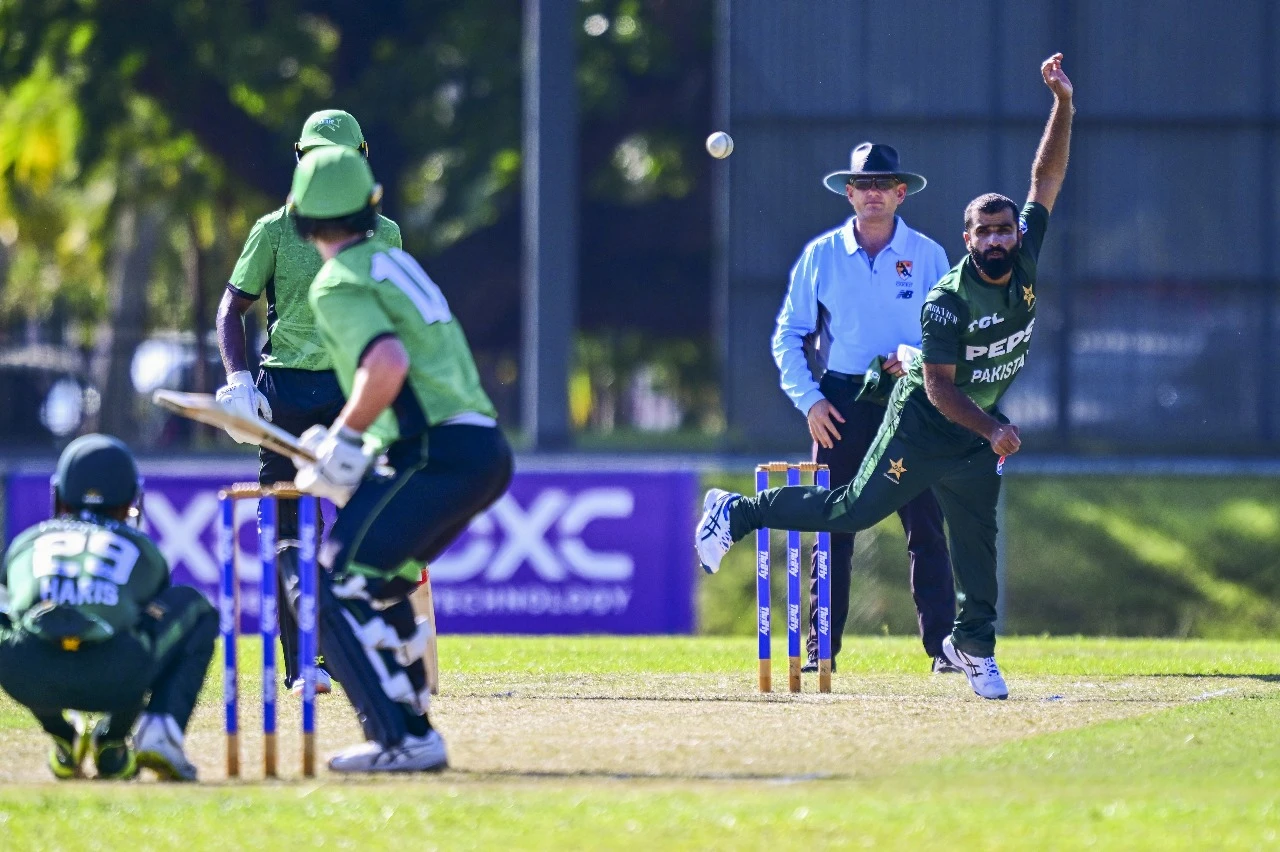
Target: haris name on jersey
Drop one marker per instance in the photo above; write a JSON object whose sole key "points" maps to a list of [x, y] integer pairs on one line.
{"points": [[78, 592]]}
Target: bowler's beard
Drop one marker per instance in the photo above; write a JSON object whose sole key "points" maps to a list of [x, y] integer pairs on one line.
{"points": [[994, 263]]}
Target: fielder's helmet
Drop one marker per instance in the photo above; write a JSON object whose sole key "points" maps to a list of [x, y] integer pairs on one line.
{"points": [[96, 473]]}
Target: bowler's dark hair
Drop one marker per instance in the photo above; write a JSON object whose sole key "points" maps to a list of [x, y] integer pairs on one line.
{"points": [[992, 202], [360, 222]]}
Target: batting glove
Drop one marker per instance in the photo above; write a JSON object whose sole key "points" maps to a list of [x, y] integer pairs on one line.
{"points": [[340, 464], [239, 397]]}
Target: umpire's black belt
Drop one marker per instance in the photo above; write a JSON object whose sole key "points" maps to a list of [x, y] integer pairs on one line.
{"points": [[857, 379]]}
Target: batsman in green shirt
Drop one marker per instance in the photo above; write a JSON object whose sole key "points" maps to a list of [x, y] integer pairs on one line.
{"points": [[414, 396], [296, 387], [89, 622], [943, 428]]}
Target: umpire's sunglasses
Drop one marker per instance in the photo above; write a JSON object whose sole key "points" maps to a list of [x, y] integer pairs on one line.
{"points": [[862, 184]]}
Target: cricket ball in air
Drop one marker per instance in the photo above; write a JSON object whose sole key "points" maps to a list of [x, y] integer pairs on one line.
{"points": [[719, 144]]}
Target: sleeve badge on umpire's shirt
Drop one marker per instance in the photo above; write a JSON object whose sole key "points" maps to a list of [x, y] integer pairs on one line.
{"points": [[904, 269]]}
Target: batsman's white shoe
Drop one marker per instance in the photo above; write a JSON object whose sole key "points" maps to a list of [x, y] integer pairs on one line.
{"points": [[712, 538], [982, 672], [157, 745], [324, 684], [413, 754]]}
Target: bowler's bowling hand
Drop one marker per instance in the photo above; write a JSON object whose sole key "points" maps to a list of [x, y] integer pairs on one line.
{"points": [[1005, 440], [1055, 78], [822, 423]]}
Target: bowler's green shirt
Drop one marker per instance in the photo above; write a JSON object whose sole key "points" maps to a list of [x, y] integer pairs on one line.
{"points": [[275, 260], [371, 290], [104, 571], [983, 329]]}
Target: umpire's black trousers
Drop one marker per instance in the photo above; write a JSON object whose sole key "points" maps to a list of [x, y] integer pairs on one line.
{"points": [[932, 585]]}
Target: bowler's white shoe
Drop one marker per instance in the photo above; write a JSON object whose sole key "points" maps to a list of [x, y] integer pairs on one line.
{"points": [[412, 754], [982, 672], [157, 745], [712, 538]]}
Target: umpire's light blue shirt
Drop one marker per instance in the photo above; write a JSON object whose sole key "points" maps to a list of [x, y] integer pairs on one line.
{"points": [[860, 308]]}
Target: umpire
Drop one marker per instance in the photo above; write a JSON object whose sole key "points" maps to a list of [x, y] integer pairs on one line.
{"points": [[856, 292], [296, 388]]}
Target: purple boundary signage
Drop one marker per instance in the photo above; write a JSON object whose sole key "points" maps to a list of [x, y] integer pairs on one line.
{"points": [[561, 552]]}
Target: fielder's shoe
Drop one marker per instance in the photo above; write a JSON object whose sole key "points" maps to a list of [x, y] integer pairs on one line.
{"points": [[324, 683], [941, 665], [114, 759], [413, 754], [157, 742], [982, 672], [811, 666], [712, 537], [65, 757]]}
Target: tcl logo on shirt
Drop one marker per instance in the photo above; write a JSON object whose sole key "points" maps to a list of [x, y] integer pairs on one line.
{"points": [[1000, 347]]}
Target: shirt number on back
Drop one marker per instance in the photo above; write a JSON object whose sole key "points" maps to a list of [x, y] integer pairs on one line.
{"points": [[399, 267], [100, 553]]}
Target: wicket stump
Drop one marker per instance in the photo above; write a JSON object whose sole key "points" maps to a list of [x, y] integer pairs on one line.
{"points": [[229, 618], [821, 477]]}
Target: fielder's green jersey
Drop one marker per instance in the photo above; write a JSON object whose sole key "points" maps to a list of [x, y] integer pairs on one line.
{"points": [[275, 260], [372, 290], [983, 329], [84, 578]]}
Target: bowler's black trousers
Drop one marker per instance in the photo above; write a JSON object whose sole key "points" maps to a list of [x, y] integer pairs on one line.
{"points": [[932, 585]]}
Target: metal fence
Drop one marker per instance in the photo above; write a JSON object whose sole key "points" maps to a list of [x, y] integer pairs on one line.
{"points": [[1161, 270]]}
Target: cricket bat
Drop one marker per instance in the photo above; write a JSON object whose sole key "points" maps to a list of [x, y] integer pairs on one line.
{"points": [[202, 408], [425, 608]]}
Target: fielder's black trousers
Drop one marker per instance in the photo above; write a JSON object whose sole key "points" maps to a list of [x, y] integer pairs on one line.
{"points": [[932, 585], [166, 654], [915, 450]]}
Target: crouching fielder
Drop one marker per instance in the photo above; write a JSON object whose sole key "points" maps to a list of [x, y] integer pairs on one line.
{"points": [[413, 393], [92, 624]]}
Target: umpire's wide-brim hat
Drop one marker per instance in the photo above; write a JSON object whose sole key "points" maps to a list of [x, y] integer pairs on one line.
{"points": [[873, 160]]}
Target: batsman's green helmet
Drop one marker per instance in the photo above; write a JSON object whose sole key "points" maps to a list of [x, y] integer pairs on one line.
{"points": [[330, 127], [332, 182], [96, 472]]}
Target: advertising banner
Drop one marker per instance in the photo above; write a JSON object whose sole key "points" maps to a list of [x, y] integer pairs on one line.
{"points": [[561, 552]]}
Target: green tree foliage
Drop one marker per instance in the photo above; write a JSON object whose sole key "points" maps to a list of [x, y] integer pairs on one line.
{"points": [[188, 109], [196, 103]]}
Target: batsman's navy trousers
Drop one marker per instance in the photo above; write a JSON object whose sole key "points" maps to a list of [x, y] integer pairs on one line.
{"points": [[932, 585], [299, 399], [441, 483], [389, 527]]}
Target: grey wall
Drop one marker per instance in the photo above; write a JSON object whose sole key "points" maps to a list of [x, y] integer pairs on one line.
{"points": [[1161, 269]]}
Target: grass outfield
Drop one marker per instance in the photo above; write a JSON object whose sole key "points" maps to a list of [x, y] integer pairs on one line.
{"points": [[655, 743]]}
